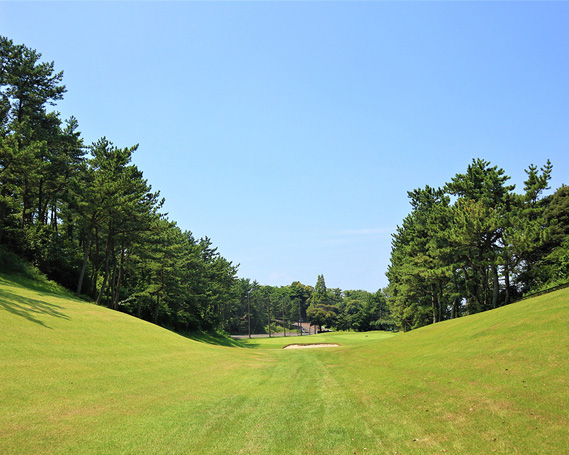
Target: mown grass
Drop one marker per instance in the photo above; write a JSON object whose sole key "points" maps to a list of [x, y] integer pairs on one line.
{"points": [[77, 378]]}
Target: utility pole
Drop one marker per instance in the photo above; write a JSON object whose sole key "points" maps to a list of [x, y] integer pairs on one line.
{"points": [[269, 313], [299, 318], [249, 311], [284, 322]]}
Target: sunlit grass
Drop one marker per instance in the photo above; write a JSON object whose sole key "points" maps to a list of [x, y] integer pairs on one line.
{"points": [[344, 339], [77, 378]]}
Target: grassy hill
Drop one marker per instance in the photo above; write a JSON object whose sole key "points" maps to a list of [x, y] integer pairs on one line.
{"points": [[77, 378]]}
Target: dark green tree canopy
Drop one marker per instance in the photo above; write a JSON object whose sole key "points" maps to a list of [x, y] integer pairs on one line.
{"points": [[88, 218], [476, 253]]}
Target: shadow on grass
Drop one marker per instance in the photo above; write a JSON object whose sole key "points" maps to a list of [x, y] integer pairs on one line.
{"points": [[29, 308], [217, 339], [46, 287]]}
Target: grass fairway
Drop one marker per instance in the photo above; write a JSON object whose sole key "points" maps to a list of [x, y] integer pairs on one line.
{"points": [[76, 378]]}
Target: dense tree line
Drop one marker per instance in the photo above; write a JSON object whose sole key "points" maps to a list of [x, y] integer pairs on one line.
{"points": [[86, 217], [475, 245], [318, 305]]}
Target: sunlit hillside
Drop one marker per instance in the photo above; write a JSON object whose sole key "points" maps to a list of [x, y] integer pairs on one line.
{"points": [[77, 378]]}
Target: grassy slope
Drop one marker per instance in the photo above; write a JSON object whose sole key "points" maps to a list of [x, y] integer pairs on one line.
{"points": [[77, 378]]}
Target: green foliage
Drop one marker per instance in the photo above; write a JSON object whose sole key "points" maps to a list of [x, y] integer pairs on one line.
{"points": [[320, 293], [480, 252], [320, 306], [25, 274], [322, 315], [87, 218], [13, 264]]}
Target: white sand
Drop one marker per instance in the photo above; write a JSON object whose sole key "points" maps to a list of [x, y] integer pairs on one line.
{"points": [[316, 345]]}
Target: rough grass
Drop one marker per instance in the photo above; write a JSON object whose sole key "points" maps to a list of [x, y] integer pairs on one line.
{"points": [[76, 378]]}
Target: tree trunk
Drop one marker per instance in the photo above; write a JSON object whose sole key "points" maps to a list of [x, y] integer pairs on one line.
{"points": [[439, 301], [269, 314], [472, 302], [284, 324], [24, 203], [158, 296], [484, 275], [249, 312], [41, 213], [106, 276], [45, 212], [54, 215], [113, 283], [86, 246], [300, 319], [507, 284], [456, 300], [95, 262], [116, 302], [496, 286], [157, 308], [103, 287], [3, 211]]}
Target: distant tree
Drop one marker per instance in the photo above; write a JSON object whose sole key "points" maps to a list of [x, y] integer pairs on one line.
{"points": [[320, 292], [300, 295], [322, 315]]}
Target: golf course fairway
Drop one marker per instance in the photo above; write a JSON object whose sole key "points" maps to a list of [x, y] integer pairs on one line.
{"points": [[77, 378]]}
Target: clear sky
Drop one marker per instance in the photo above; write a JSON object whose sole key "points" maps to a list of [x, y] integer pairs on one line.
{"points": [[290, 132]]}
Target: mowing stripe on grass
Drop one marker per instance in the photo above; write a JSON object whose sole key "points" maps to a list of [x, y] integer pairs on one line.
{"points": [[76, 378]]}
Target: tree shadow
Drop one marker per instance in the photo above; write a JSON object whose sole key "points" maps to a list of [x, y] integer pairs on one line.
{"points": [[215, 339], [29, 308], [47, 288]]}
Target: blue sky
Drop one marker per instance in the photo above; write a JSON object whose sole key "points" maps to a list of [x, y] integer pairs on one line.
{"points": [[290, 132]]}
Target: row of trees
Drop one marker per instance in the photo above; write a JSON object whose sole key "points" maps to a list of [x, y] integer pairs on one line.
{"points": [[320, 306], [475, 245], [86, 217]]}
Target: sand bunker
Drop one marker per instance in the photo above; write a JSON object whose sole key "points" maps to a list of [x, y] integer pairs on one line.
{"points": [[315, 345]]}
